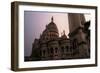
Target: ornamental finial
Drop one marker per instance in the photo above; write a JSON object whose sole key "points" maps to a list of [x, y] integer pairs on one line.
{"points": [[52, 19]]}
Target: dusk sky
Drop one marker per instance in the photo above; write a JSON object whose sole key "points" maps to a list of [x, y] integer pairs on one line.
{"points": [[35, 23]]}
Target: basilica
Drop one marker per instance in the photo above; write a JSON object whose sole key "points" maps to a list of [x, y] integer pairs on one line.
{"points": [[51, 46]]}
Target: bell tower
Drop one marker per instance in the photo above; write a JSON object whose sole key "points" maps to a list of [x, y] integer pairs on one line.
{"points": [[78, 37]]}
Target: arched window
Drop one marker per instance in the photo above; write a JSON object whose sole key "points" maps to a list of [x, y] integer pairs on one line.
{"points": [[71, 49], [75, 43], [51, 50], [56, 49], [62, 48], [67, 48], [43, 52]]}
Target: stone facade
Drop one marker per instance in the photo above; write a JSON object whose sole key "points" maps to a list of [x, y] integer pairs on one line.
{"points": [[52, 47]]}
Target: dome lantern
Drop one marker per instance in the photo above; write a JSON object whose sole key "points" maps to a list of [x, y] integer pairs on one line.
{"points": [[52, 19]]}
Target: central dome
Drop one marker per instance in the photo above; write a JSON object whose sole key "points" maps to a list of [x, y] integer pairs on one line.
{"points": [[51, 32], [52, 26]]}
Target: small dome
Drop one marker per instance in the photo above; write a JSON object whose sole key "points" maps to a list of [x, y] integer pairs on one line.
{"points": [[64, 35]]}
